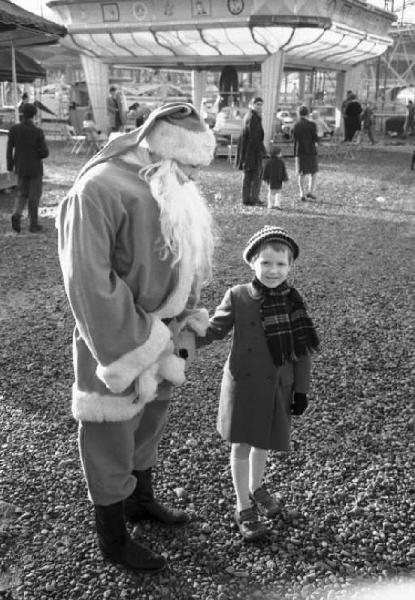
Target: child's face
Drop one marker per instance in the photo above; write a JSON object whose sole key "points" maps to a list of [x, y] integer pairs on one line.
{"points": [[271, 266]]}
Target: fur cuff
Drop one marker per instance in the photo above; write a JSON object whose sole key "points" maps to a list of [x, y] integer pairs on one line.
{"points": [[197, 321], [182, 145], [169, 368], [121, 373]]}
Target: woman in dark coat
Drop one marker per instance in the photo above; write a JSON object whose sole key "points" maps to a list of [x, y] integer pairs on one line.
{"points": [[352, 114], [267, 374]]}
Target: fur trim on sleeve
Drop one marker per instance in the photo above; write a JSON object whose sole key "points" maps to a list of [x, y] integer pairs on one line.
{"points": [[121, 373], [169, 368], [197, 320]]}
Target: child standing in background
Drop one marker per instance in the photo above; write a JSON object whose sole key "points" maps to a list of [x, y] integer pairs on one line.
{"points": [[266, 377], [274, 175]]}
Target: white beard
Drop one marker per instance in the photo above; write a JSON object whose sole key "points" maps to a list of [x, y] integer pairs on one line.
{"points": [[186, 224]]}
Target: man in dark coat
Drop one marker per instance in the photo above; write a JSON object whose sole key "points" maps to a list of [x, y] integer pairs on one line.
{"points": [[251, 152], [352, 114], [345, 102], [305, 152], [26, 147]]}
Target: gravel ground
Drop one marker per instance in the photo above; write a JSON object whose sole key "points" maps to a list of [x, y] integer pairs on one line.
{"points": [[348, 486]]}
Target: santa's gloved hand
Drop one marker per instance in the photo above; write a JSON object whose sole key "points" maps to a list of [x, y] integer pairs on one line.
{"points": [[186, 345], [299, 404]]}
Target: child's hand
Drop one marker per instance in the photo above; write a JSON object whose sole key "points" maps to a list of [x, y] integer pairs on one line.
{"points": [[299, 404]]}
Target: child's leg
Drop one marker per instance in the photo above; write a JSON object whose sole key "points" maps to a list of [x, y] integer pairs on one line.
{"points": [[313, 179], [264, 502], [269, 198], [301, 185], [277, 203], [257, 462], [240, 474]]}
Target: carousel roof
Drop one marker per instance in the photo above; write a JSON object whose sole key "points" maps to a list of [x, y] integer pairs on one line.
{"points": [[207, 34]]}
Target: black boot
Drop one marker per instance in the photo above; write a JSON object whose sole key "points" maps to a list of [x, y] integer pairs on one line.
{"points": [[142, 504], [33, 217], [16, 223], [117, 546]]}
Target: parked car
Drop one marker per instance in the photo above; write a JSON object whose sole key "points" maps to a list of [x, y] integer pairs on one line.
{"points": [[394, 126], [285, 122]]}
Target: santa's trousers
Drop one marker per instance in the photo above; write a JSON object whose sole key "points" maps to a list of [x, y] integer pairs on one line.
{"points": [[110, 451]]}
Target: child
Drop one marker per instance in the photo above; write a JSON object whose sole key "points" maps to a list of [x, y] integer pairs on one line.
{"points": [[267, 374], [322, 127], [274, 175], [366, 119]]}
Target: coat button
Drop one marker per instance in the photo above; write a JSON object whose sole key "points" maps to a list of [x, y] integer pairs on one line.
{"points": [[249, 349], [247, 374]]}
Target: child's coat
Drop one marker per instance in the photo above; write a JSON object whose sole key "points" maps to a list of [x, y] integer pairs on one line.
{"points": [[255, 397]]}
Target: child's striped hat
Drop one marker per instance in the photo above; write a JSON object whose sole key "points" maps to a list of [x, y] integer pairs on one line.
{"points": [[269, 233]]}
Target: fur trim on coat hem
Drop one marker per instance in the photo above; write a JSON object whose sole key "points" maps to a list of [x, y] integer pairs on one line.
{"points": [[122, 372], [91, 406]]}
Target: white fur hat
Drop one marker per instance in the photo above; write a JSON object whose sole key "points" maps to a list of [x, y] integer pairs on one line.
{"points": [[177, 131], [174, 131]]}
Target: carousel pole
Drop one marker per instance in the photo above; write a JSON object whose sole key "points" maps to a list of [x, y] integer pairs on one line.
{"points": [[14, 85]]}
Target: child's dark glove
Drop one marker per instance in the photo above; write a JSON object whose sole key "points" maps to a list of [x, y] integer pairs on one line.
{"points": [[299, 404]]}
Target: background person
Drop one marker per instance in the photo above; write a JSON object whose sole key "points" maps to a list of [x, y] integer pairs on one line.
{"points": [[135, 247], [140, 113], [26, 149], [275, 174], [366, 119], [321, 125], [409, 125], [115, 110], [24, 100], [352, 113], [262, 383], [92, 132], [345, 102], [305, 152], [251, 152]]}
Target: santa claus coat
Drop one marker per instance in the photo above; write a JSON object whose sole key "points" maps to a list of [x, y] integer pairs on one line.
{"points": [[119, 288]]}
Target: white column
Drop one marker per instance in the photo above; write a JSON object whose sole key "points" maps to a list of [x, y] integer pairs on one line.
{"points": [[301, 87], [96, 75], [340, 96], [271, 74], [353, 79], [199, 81]]}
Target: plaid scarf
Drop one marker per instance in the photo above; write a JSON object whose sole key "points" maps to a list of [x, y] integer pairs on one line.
{"points": [[289, 331]]}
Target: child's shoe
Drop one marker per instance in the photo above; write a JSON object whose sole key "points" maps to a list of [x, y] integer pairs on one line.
{"points": [[265, 504], [249, 525]]}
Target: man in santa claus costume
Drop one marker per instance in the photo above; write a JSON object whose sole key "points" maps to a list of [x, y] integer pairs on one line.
{"points": [[135, 248]]}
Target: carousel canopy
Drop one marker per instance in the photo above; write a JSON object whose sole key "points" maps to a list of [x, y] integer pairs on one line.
{"points": [[207, 34]]}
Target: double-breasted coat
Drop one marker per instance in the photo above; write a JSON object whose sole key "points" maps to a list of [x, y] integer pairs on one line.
{"points": [[255, 395], [251, 149]]}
